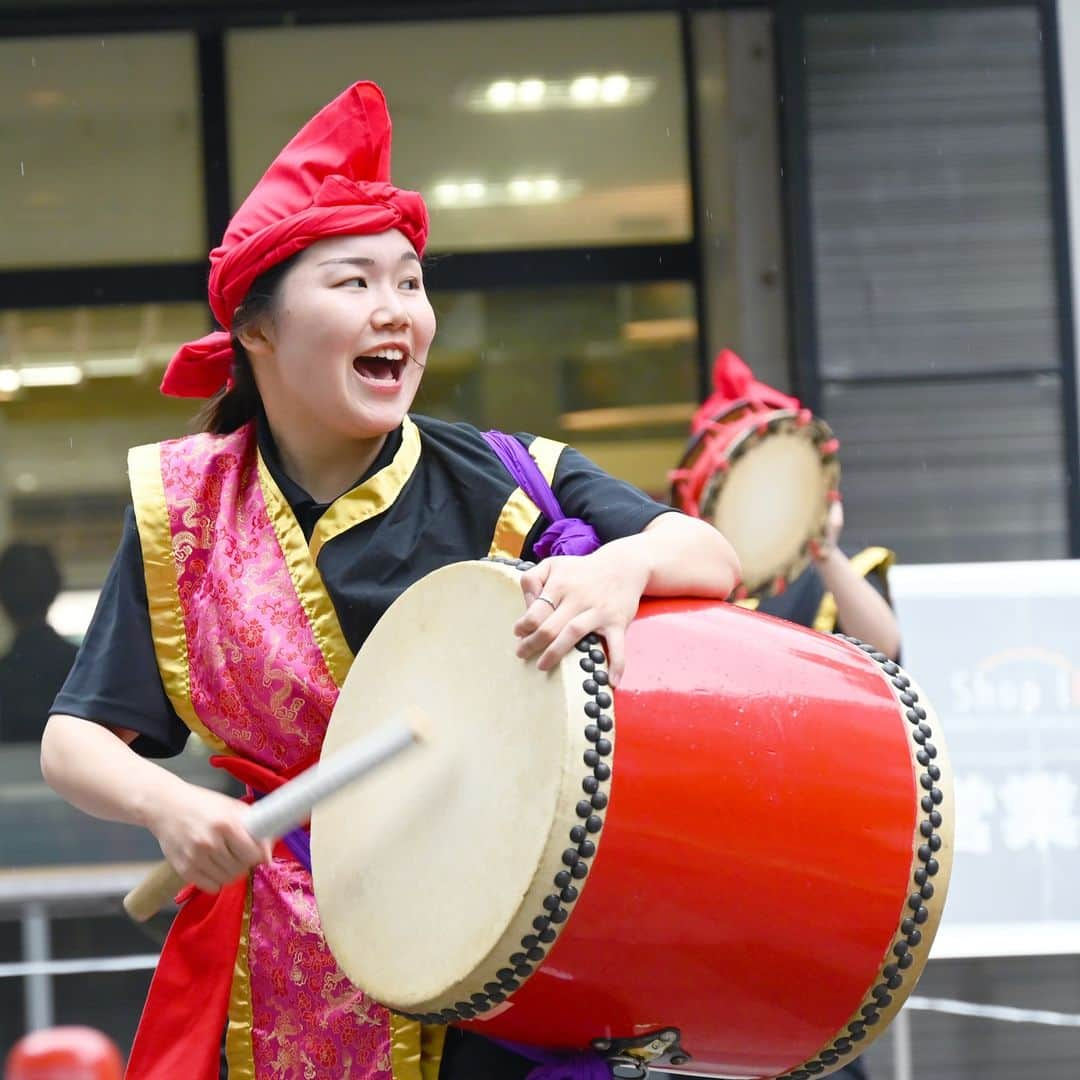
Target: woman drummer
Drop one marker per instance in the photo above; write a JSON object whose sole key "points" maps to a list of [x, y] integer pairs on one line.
{"points": [[258, 557]]}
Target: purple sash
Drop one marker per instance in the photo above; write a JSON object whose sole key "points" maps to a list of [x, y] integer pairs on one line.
{"points": [[564, 536], [553, 1065]]}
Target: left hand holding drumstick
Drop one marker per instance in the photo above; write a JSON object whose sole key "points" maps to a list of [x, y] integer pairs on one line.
{"points": [[568, 597]]}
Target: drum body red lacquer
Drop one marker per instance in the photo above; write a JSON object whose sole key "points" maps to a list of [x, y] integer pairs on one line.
{"points": [[732, 866], [757, 853]]}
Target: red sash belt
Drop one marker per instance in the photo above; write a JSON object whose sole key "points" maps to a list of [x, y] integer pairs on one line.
{"points": [[179, 1035]]}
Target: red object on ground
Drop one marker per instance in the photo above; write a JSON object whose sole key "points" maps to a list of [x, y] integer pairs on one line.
{"points": [[64, 1053]]}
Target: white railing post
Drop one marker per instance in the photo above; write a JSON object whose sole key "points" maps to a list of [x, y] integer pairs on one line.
{"points": [[36, 947]]}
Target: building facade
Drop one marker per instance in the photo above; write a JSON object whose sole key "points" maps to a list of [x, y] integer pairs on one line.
{"points": [[868, 201]]}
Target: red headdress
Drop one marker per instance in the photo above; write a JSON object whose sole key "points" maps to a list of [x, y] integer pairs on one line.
{"points": [[733, 381], [332, 179]]}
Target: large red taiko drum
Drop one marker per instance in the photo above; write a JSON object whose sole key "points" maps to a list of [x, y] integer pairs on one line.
{"points": [[731, 866]]}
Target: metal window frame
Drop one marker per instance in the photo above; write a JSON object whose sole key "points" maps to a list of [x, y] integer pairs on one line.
{"points": [[529, 267], [517, 268]]}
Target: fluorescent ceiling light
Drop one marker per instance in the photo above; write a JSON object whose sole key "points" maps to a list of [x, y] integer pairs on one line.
{"points": [[51, 375], [547, 187], [473, 194], [502, 94], [447, 194], [589, 90], [628, 416], [113, 367], [614, 89], [585, 90], [9, 381], [675, 328], [531, 91]]}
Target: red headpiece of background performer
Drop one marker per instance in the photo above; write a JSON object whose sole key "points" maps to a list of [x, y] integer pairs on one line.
{"points": [[332, 179], [733, 381]]}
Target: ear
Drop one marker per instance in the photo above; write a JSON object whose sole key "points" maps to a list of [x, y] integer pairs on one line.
{"points": [[256, 337]]}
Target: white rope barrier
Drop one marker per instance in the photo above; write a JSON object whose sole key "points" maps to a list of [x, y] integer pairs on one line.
{"points": [[146, 961], [994, 1012], [137, 962]]}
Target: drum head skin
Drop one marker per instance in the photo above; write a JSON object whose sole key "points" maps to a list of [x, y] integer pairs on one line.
{"points": [[772, 501], [480, 813], [765, 480]]}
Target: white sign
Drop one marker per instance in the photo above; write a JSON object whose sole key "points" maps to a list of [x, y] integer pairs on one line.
{"points": [[996, 647]]}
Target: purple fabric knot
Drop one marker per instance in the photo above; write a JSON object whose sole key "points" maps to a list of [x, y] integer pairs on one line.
{"points": [[560, 1065], [564, 536], [567, 536]]}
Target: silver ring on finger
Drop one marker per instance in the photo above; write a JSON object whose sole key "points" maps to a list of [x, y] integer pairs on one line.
{"points": [[545, 600]]}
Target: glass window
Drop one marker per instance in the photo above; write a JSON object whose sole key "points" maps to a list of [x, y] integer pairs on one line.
{"points": [[78, 387], [102, 160], [610, 369], [526, 132]]}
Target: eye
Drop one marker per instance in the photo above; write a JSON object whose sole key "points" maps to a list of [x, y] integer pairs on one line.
{"points": [[354, 282], [412, 283]]}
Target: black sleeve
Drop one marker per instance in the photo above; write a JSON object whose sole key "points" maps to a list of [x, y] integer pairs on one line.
{"points": [[612, 507], [800, 601], [115, 678]]}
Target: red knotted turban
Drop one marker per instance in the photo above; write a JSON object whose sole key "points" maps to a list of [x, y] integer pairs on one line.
{"points": [[332, 179], [733, 381]]}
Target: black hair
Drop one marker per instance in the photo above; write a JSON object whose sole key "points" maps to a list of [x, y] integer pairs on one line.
{"points": [[29, 581], [232, 407]]}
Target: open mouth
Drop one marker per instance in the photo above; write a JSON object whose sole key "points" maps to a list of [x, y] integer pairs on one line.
{"points": [[384, 367]]}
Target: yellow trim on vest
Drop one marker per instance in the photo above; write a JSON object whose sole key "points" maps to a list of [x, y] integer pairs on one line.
{"points": [[306, 579], [372, 497], [162, 595], [519, 514], [432, 1041], [873, 558], [863, 563], [404, 1047], [239, 1049], [415, 1049]]}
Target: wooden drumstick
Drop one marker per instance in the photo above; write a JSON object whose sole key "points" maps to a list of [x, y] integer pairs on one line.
{"points": [[286, 808]]}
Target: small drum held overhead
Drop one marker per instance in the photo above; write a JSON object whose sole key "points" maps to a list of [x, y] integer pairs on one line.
{"points": [[733, 866], [765, 479], [764, 471]]}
